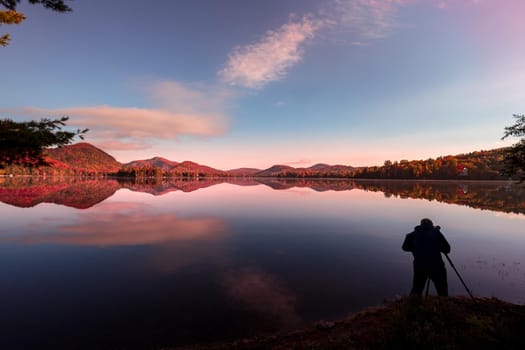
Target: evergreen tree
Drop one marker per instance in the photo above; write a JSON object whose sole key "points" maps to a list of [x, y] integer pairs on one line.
{"points": [[515, 156], [24, 142]]}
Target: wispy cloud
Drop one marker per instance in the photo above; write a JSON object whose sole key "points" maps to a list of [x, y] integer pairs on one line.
{"points": [[268, 59], [118, 145], [179, 110], [271, 57], [369, 19], [136, 122]]}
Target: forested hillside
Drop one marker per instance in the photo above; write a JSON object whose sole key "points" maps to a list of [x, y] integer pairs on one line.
{"points": [[86, 160], [480, 165], [80, 159]]}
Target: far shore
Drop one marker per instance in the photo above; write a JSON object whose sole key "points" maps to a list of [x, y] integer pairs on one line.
{"points": [[226, 178]]}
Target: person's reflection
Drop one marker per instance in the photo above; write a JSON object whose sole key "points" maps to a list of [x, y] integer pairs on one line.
{"points": [[427, 243]]}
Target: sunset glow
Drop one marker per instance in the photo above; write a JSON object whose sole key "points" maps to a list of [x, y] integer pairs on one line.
{"points": [[240, 84]]}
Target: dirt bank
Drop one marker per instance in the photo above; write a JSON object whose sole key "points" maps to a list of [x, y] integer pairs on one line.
{"points": [[409, 323]]}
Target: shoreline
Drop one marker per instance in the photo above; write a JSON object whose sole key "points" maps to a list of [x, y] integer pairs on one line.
{"points": [[410, 323], [199, 178]]}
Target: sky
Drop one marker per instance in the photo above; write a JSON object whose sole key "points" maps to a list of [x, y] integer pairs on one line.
{"points": [[242, 83]]}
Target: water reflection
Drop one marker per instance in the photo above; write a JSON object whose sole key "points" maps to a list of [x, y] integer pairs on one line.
{"points": [[105, 229], [28, 192], [492, 195], [495, 196], [170, 263], [262, 293]]}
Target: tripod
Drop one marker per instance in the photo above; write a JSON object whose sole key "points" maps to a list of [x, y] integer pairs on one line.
{"points": [[459, 276], [457, 273]]}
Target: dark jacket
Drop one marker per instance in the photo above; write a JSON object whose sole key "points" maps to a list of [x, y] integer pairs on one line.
{"points": [[426, 244]]}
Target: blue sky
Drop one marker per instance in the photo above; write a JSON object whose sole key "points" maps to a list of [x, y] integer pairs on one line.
{"points": [[256, 83]]}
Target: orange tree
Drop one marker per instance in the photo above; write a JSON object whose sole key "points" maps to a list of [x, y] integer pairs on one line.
{"points": [[11, 16]]}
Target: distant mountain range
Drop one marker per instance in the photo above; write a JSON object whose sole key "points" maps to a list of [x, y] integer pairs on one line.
{"points": [[172, 167], [187, 167], [86, 159], [157, 162]]}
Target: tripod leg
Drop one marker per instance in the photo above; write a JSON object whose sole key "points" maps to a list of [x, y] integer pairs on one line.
{"points": [[459, 276]]}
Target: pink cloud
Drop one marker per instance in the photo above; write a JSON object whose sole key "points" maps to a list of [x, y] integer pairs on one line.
{"points": [[179, 110], [118, 145], [269, 59], [137, 122]]}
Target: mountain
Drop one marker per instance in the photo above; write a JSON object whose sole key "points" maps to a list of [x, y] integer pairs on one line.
{"points": [[243, 172], [319, 166], [159, 166], [318, 170], [81, 157], [156, 162], [191, 167], [276, 171]]}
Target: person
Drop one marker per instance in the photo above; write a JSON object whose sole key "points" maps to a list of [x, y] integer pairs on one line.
{"points": [[427, 243]]}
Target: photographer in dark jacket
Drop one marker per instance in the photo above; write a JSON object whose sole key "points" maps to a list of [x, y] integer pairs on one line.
{"points": [[427, 243]]}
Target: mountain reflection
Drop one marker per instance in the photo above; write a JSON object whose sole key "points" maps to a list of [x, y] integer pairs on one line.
{"points": [[490, 195], [158, 188], [26, 192]]}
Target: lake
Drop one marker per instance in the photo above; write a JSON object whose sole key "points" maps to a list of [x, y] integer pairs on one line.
{"points": [[103, 264]]}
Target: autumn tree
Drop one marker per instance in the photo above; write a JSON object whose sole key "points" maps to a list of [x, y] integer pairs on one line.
{"points": [[24, 142], [514, 162], [11, 16]]}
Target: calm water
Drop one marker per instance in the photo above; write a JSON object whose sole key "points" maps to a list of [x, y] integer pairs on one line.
{"points": [[99, 264]]}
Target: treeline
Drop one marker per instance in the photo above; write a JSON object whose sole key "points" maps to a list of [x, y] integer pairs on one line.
{"points": [[85, 160], [139, 172], [53, 171], [481, 165]]}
